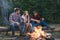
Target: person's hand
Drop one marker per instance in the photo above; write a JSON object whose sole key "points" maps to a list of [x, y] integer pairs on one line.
{"points": [[43, 19], [37, 21], [25, 20], [17, 23]]}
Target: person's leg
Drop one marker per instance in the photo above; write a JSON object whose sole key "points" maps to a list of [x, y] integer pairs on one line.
{"points": [[21, 29], [37, 24], [27, 28], [34, 24], [46, 26], [12, 27], [44, 23]]}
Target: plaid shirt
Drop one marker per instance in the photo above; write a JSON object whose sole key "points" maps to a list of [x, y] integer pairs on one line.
{"points": [[14, 18]]}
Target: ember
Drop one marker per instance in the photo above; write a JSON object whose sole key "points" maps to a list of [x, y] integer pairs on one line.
{"points": [[37, 34]]}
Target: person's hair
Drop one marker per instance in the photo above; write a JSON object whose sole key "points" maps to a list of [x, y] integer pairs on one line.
{"points": [[35, 12], [25, 11], [16, 9]]}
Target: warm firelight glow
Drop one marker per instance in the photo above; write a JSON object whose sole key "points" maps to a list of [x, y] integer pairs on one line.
{"points": [[38, 32]]}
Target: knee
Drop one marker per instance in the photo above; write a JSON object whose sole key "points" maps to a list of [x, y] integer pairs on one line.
{"points": [[12, 26]]}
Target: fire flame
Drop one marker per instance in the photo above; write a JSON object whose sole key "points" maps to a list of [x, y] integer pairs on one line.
{"points": [[38, 32]]}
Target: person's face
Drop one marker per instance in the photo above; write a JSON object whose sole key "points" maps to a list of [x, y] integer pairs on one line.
{"points": [[25, 12], [35, 14], [18, 11]]}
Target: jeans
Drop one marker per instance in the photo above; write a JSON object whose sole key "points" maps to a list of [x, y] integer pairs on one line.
{"points": [[34, 24], [22, 27], [43, 23], [14, 26]]}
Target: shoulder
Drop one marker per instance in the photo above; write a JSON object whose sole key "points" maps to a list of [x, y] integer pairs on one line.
{"points": [[12, 14], [22, 16]]}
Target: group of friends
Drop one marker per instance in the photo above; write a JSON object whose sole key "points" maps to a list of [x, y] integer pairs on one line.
{"points": [[25, 22]]}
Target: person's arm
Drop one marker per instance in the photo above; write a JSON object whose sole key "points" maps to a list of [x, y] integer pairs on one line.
{"points": [[11, 18], [38, 21], [12, 21], [23, 18], [28, 17]]}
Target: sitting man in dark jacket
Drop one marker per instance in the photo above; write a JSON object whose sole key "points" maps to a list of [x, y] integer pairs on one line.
{"points": [[35, 21]]}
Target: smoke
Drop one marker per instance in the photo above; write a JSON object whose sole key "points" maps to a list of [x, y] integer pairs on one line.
{"points": [[4, 4]]}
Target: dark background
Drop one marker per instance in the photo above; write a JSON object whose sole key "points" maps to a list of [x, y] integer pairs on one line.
{"points": [[49, 9]]}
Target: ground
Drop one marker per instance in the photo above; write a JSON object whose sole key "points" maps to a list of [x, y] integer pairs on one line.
{"points": [[56, 35]]}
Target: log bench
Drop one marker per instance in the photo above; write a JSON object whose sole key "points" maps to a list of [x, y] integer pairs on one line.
{"points": [[3, 29], [6, 30], [8, 38]]}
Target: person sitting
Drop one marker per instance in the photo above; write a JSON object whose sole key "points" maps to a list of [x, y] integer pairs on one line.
{"points": [[26, 21], [35, 19], [14, 20]]}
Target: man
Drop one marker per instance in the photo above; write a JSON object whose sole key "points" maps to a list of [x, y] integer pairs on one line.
{"points": [[35, 19], [14, 20]]}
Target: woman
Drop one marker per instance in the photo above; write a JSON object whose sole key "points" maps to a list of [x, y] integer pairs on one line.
{"points": [[26, 21]]}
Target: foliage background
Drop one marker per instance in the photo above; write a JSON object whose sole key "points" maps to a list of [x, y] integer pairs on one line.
{"points": [[50, 9]]}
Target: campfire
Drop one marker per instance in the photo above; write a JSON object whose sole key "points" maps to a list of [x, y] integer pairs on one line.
{"points": [[37, 34]]}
